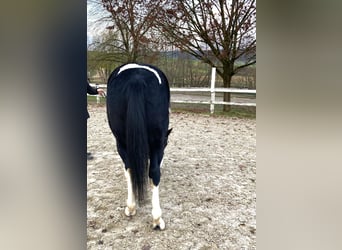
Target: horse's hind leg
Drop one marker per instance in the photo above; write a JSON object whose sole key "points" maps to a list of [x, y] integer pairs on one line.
{"points": [[156, 210], [130, 210], [154, 174]]}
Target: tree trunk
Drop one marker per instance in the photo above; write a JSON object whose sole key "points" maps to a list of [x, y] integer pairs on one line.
{"points": [[226, 96]]}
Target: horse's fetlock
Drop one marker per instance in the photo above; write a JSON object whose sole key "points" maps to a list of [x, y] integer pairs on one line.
{"points": [[130, 211]]}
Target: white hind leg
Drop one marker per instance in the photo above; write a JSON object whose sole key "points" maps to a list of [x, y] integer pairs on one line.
{"points": [[156, 211], [130, 210]]}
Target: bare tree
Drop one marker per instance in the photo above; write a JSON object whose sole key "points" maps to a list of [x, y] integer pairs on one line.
{"points": [[133, 23], [102, 56], [221, 33]]}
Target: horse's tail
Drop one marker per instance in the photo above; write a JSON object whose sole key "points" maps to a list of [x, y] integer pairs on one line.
{"points": [[137, 141]]}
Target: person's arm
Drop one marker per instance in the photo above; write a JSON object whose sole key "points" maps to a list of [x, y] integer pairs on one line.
{"points": [[91, 90]]}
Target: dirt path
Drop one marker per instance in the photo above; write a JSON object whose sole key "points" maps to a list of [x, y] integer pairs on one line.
{"points": [[207, 190]]}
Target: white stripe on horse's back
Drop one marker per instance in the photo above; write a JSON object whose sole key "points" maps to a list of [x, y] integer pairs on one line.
{"points": [[136, 66]]}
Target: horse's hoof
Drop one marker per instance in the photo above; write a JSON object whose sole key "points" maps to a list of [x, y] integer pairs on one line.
{"points": [[159, 224], [130, 211]]}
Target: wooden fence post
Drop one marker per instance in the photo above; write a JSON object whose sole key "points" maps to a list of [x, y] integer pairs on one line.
{"points": [[212, 90]]}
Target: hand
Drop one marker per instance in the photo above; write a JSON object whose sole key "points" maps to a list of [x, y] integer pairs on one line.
{"points": [[101, 92]]}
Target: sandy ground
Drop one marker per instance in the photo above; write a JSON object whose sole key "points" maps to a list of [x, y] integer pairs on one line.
{"points": [[207, 189]]}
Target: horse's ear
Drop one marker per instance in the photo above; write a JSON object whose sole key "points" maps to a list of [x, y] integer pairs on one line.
{"points": [[169, 131]]}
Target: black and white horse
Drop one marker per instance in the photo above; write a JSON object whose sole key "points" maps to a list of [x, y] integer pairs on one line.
{"points": [[138, 101]]}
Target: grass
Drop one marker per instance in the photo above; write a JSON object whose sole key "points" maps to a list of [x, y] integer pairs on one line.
{"points": [[93, 100], [236, 111]]}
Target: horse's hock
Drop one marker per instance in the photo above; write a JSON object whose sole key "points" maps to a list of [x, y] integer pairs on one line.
{"points": [[207, 188]]}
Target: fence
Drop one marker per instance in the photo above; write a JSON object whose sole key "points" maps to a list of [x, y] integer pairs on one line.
{"points": [[212, 90]]}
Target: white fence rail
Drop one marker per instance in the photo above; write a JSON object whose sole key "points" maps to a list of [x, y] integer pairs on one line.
{"points": [[212, 90]]}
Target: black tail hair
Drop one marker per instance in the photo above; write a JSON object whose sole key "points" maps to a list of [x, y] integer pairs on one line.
{"points": [[137, 141]]}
